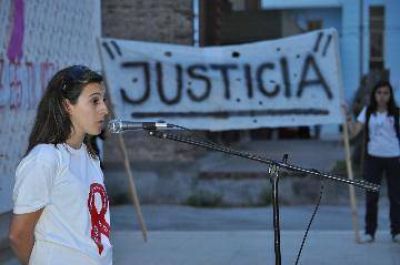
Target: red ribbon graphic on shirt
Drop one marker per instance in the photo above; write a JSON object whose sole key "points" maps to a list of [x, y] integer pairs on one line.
{"points": [[99, 223]]}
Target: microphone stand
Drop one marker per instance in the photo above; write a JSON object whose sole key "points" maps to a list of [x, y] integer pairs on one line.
{"points": [[274, 168]]}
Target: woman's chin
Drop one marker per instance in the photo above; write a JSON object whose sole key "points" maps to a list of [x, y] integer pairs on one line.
{"points": [[95, 132]]}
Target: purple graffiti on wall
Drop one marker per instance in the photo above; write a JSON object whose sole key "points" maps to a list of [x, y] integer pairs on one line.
{"points": [[14, 52], [21, 83]]}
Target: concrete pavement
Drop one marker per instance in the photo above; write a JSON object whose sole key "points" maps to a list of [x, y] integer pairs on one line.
{"points": [[193, 236], [294, 218], [250, 247]]}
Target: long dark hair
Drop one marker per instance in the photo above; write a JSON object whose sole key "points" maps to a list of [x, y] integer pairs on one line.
{"points": [[52, 124], [392, 108]]}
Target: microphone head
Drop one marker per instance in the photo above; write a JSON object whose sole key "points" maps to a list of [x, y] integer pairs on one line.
{"points": [[114, 126]]}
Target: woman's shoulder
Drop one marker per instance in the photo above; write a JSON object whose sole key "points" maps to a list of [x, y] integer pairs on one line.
{"points": [[362, 115], [44, 153], [365, 108], [44, 149]]}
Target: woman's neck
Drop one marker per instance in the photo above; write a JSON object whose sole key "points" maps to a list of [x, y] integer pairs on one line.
{"points": [[381, 108], [75, 140]]}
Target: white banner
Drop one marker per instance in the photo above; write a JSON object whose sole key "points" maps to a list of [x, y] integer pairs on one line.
{"points": [[34, 45], [286, 82]]}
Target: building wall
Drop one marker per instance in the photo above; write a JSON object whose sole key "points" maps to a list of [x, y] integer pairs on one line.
{"points": [[331, 17], [348, 24], [351, 42], [350, 47], [167, 21], [392, 44]]}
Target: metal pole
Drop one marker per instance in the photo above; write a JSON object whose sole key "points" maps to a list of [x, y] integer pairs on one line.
{"points": [[274, 173]]}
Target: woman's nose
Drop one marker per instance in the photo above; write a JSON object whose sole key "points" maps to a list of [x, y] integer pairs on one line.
{"points": [[104, 109]]}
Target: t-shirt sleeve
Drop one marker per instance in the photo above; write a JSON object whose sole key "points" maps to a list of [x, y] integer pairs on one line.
{"points": [[362, 116], [33, 181]]}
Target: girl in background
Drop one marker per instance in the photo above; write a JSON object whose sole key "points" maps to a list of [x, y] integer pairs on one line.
{"points": [[380, 120]]}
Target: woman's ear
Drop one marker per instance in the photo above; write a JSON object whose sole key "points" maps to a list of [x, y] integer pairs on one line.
{"points": [[67, 106]]}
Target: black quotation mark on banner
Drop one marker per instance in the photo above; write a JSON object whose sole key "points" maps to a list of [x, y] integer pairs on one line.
{"points": [[327, 42], [109, 50]]}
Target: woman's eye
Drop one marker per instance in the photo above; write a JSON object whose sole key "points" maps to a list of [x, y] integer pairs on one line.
{"points": [[95, 101]]}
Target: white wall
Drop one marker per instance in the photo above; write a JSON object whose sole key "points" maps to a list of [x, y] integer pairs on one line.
{"points": [[66, 37], [289, 4], [350, 47], [392, 44]]}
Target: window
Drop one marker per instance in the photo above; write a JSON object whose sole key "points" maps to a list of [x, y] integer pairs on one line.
{"points": [[314, 25], [376, 37]]}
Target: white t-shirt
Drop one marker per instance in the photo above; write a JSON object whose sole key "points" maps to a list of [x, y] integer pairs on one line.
{"points": [[383, 141], [68, 184]]}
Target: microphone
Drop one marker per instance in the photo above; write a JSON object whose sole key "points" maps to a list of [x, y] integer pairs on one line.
{"points": [[118, 126]]}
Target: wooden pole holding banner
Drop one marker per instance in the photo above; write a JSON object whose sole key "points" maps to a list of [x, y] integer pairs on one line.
{"points": [[132, 186], [353, 200]]}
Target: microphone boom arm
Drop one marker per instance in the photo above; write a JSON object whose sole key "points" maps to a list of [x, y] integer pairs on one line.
{"points": [[358, 183], [273, 171]]}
